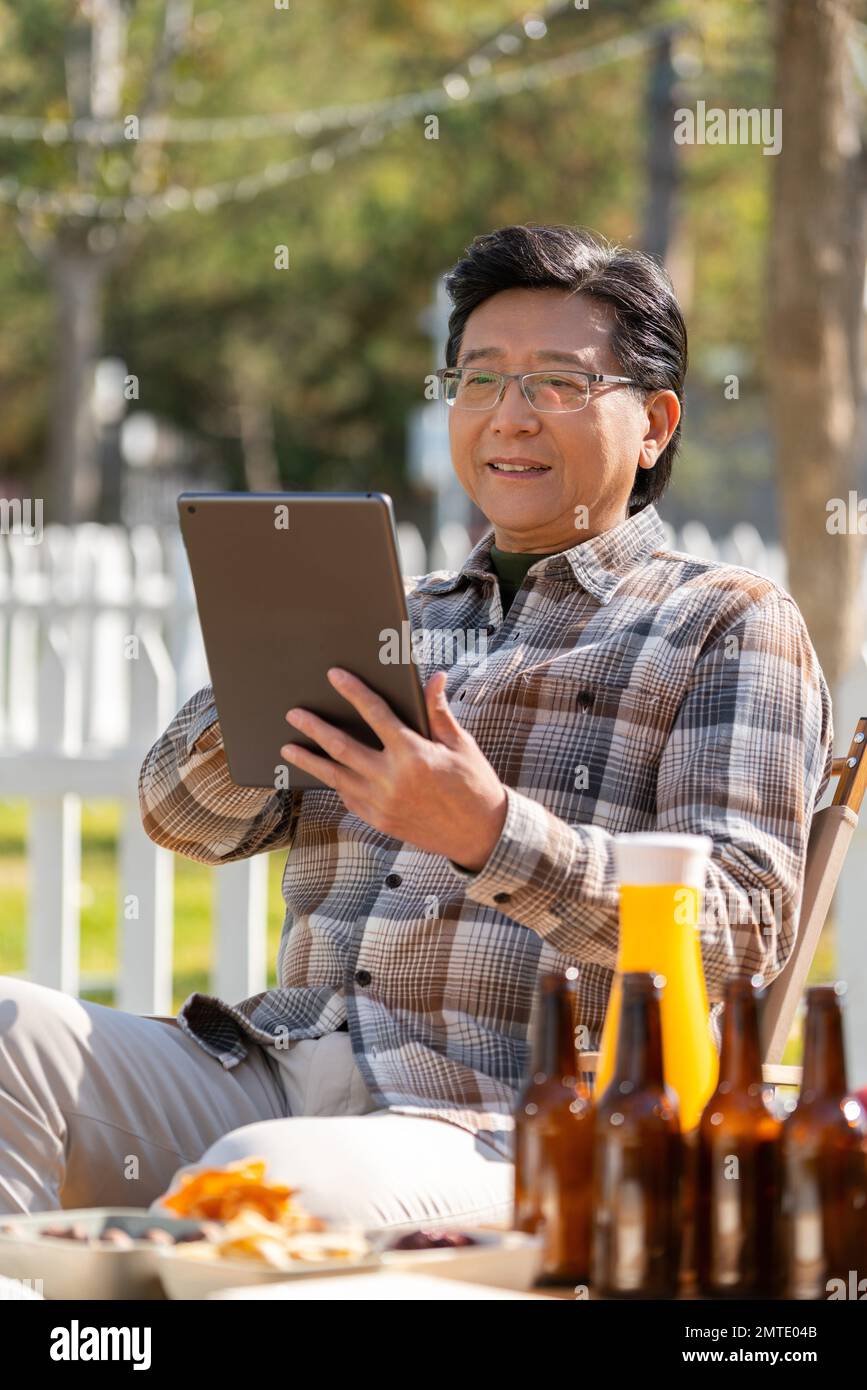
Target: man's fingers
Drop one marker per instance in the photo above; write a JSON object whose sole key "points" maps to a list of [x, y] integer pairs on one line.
{"points": [[338, 778], [373, 709], [342, 746], [443, 724]]}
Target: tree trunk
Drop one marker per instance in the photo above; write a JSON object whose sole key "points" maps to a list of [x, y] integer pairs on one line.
{"points": [[74, 465], [95, 62], [662, 163], [816, 289]]}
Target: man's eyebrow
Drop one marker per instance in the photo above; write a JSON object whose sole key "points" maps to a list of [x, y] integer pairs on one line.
{"points": [[543, 355]]}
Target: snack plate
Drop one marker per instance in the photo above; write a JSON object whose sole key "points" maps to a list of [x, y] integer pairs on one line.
{"points": [[191, 1276], [500, 1259], [69, 1269]]}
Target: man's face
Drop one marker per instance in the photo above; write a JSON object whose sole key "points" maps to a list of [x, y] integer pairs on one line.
{"points": [[592, 454]]}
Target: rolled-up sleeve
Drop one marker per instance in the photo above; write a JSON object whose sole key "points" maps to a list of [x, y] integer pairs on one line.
{"points": [[746, 761], [190, 804]]}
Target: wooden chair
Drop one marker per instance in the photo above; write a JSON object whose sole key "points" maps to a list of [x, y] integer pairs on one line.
{"points": [[831, 833]]}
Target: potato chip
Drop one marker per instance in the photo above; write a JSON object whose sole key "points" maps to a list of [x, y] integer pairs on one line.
{"points": [[221, 1194], [250, 1236]]}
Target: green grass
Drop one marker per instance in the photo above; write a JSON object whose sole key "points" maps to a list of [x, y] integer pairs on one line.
{"points": [[193, 912]]}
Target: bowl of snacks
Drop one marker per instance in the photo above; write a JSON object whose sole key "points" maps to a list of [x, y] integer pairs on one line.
{"points": [[504, 1259], [92, 1252], [257, 1232]]}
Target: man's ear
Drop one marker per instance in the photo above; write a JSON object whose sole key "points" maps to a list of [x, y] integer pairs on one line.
{"points": [[663, 414]]}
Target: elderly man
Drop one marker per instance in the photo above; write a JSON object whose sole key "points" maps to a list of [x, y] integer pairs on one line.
{"points": [[428, 886]]}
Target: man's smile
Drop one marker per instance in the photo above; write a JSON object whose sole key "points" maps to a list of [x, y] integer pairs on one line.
{"points": [[516, 467]]}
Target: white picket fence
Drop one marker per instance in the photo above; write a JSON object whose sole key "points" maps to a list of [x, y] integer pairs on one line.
{"points": [[99, 645]]}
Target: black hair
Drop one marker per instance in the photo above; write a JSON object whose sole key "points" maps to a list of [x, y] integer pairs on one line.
{"points": [[649, 337]]}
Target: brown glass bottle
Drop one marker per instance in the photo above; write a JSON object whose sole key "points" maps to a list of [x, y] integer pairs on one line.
{"points": [[824, 1178], [554, 1142], [637, 1160], [738, 1232]]}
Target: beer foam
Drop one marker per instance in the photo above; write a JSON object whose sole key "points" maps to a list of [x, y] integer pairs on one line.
{"points": [[653, 857]]}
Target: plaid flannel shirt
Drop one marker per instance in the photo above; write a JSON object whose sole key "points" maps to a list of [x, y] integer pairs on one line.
{"points": [[630, 687]]}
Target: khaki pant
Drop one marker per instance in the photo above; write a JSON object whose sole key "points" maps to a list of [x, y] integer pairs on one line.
{"points": [[99, 1107]]}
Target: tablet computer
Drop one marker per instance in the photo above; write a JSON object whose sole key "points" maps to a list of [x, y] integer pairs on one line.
{"points": [[288, 584]]}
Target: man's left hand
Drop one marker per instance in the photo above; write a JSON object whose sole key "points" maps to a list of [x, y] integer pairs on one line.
{"points": [[440, 794]]}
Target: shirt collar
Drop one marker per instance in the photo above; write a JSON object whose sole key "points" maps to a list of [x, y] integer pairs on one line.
{"points": [[598, 565]]}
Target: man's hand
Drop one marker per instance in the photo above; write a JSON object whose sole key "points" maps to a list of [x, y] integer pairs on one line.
{"points": [[440, 794]]}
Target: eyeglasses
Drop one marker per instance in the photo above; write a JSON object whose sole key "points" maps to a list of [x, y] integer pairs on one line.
{"points": [[476, 388]]}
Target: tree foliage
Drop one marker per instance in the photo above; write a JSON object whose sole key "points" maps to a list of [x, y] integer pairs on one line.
{"points": [[334, 345]]}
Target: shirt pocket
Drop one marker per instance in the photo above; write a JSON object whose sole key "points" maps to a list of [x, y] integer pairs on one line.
{"points": [[584, 741], [576, 689], [567, 697]]}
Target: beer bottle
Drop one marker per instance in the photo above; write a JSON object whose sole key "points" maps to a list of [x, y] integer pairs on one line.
{"points": [[554, 1141], [738, 1235], [824, 1160], [637, 1159]]}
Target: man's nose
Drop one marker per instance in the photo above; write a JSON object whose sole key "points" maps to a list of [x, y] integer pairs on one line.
{"points": [[514, 411]]}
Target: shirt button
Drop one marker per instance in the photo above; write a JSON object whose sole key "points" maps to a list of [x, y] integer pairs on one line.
{"points": [[502, 897], [392, 880], [363, 977], [585, 697]]}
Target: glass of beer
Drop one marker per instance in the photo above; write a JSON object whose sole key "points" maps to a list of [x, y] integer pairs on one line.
{"points": [[662, 878]]}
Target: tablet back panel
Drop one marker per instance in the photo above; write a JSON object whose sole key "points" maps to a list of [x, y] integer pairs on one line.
{"points": [[288, 584]]}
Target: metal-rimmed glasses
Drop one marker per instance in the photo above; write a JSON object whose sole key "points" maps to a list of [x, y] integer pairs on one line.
{"points": [[478, 388]]}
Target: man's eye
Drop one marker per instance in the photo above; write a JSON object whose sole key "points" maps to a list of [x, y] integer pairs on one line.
{"points": [[478, 378]]}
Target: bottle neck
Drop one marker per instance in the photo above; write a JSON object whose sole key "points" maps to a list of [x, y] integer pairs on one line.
{"points": [[740, 1053], [824, 1069], [555, 1044], [639, 1040]]}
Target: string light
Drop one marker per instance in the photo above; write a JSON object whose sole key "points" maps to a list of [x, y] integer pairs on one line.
{"points": [[306, 124], [454, 88]]}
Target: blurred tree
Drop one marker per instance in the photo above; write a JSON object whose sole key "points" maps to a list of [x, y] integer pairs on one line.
{"points": [[339, 354], [78, 253], [663, 165], [818, 247]]}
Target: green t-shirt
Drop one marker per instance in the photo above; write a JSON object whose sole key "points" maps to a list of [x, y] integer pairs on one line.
{"points": [[511, 567]]}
